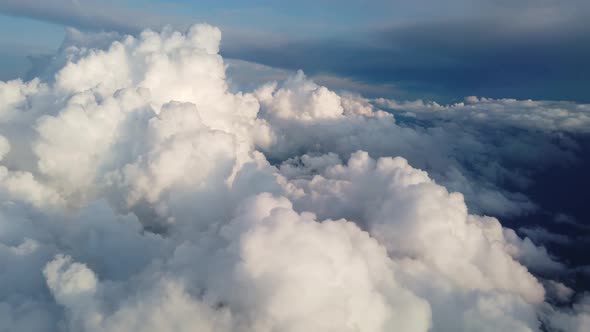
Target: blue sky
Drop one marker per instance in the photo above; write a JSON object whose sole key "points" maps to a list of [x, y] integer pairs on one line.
{"points": [[442, 50]]}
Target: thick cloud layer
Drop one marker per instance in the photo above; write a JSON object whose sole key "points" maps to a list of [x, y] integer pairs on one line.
{"points": [[140, 193], [528, 114]]}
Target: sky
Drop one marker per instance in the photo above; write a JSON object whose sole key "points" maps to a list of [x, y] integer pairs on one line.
{"points": [[441, 50], [291, 166]]}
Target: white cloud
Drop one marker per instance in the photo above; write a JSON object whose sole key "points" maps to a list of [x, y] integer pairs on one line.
{"points": [[137, 195], [530, 114]]}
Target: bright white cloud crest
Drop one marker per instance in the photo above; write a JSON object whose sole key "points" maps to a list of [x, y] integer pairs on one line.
{"points": [[137, 195]]}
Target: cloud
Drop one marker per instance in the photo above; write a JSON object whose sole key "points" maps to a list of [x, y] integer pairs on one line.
{"points": [[541, 235], [245, 75], [575, 319], [458, 154], [84, 14], [499, 52], [141, 191], [527, 114]]}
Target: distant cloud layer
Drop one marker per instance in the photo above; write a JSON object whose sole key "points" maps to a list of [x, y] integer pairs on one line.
{"points": [[85, 14], [517, 54], [141, 192], [528, 114]]}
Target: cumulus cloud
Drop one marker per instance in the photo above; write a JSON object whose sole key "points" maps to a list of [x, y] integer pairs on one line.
{"points": [[529, 114], [140, 191], [575, 319], [466, 157]]}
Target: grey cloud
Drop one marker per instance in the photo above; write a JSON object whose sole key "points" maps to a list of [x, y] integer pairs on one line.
{"points": [[540, 236], [496, 56], [83, 14]]}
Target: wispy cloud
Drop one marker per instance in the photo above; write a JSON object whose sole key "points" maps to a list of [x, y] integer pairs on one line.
{"points": [[83, 14]]}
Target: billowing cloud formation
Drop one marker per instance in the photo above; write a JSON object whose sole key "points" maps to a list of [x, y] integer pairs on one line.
{"points": [[139, 193], [530, 114], [467, 156]]}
